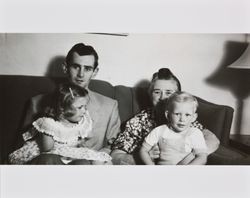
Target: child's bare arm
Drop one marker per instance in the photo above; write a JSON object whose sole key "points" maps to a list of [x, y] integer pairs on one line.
{"points": [[144, 154], [199, 159], [46, 142]]}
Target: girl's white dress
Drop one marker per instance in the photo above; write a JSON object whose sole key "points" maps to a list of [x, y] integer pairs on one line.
{"points": [[66, 141]]}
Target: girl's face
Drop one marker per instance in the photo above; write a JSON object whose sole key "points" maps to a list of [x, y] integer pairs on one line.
{"points": [[181, 115], [162, 89], [77, 109]]}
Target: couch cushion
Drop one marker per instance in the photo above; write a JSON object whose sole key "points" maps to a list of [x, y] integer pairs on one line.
{"points": [[124, 96], [216, 118], [131, 101], [16, 90]]}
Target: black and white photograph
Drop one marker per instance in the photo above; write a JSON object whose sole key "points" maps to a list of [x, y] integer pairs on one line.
{"points": [[126, 81], [117, 112]]}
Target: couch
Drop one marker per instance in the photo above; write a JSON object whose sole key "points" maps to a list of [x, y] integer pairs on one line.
{"points": [[17, 90]]}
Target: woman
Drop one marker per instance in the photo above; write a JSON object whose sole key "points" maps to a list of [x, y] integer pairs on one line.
{"points": [[124, 149]]}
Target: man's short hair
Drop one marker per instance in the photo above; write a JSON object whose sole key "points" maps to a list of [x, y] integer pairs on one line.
{"points": [[82, 50]]}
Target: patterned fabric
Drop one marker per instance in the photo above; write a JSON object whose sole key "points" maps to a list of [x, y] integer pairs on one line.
{"points": [[26, 153], [81, 153], [136, 129], [30, 150]]}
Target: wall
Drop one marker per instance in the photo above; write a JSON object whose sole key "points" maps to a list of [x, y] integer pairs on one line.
{"points": [[194, 58]]}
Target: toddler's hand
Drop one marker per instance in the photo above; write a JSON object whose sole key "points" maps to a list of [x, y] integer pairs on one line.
{"points": [[154, 153]]}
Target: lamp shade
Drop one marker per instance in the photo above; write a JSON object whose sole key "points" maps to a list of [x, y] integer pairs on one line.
{"points": [[243, 62]]}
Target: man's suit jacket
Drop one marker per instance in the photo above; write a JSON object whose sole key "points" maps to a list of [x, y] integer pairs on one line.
{"points": [[103, 111]]}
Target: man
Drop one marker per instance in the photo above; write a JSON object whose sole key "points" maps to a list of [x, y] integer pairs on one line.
{"points": [[81, 66]]}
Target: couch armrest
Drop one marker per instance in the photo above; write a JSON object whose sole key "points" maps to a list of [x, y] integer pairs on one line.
{"points": [[216, 118], [226, 155]]}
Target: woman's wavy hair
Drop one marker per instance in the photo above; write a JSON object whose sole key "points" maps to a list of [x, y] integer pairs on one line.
{"points": [[164, 74]]}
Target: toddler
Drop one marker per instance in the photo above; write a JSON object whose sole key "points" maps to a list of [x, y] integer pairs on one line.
{"points": [[177, 139], [63, 131]]}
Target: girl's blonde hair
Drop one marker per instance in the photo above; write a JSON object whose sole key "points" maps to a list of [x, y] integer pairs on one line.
{"points": [[64, 97]]}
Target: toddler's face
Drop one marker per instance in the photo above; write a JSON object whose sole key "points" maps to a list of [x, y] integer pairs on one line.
{"points": [[78, 109], [181, 115]]}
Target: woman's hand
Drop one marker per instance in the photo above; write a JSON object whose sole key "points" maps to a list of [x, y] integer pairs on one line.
{"points": [[120, 157], [95, 162], [154, 153], [211, 140]]}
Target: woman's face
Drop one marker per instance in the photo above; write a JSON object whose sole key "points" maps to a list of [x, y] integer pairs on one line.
{"points": [[162, 89]]}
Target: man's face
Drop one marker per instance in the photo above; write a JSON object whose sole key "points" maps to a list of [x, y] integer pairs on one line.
{"points": [[81, 69]]}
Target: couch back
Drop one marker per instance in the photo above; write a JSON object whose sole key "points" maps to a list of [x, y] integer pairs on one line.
{"points": [[17, 90]]}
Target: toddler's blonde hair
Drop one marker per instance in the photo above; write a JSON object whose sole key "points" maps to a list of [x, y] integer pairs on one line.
{"points": [[180, 96]]}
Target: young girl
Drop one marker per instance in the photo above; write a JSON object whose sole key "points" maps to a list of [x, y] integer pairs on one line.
{"points": [[177, 139], [63, 132]]}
